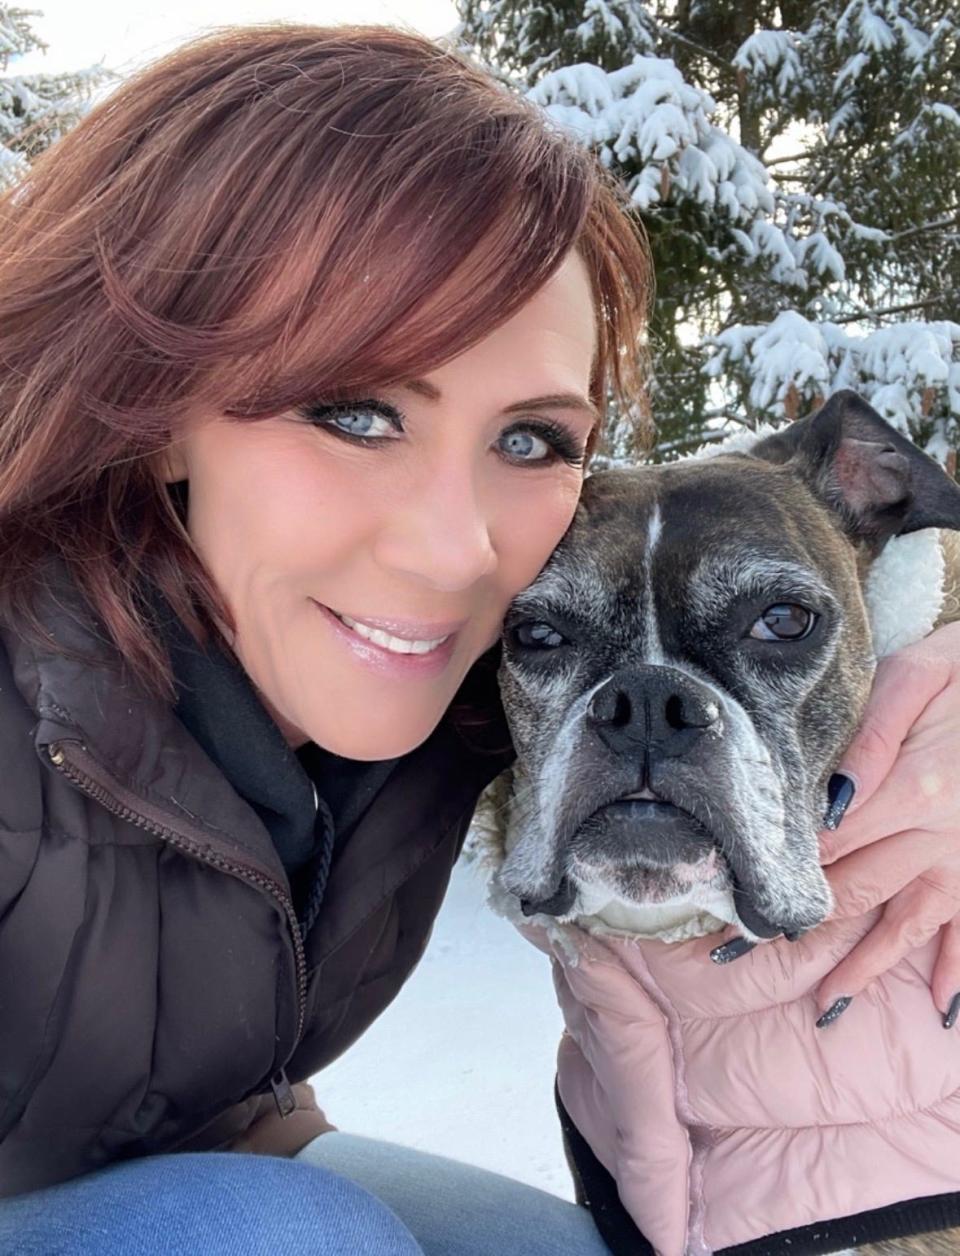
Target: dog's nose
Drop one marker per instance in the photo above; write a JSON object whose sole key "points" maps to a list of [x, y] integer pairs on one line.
{"points": [[649, 707]]}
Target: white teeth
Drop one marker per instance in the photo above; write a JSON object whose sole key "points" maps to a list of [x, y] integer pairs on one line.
{"points": [[396, 644]]}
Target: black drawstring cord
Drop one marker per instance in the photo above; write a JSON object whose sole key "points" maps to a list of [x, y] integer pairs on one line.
{"points": [[321, 871]]}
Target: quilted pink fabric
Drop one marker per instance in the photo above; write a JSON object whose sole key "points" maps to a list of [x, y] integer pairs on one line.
{"points": [[722, 1112]]}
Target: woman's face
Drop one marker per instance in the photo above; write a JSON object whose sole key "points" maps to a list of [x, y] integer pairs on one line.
{"points": [[442, 521]]}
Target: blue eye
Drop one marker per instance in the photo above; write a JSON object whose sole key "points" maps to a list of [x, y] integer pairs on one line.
{"points": [[524, 437], [354, 413], [351, 421], [549, 435], [356, 417], [559, 439]]}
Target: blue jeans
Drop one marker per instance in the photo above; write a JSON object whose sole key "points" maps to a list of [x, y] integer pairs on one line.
{"points": [[342, 1195]]}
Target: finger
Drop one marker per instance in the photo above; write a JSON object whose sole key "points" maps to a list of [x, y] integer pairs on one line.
{"points": [[909, 921], [902, 687], [890, 809], [946, 972], [874, 874], [921, 784]]}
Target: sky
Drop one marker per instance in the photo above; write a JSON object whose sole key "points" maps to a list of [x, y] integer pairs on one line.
{"points": [[125, 34]]}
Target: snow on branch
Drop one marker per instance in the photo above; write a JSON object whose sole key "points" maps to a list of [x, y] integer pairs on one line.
{"points": [[773, 55], [645, 114], [906, 371], [781, 275]]}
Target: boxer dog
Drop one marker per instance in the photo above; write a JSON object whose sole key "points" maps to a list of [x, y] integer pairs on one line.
{"points": [[684, 674]]}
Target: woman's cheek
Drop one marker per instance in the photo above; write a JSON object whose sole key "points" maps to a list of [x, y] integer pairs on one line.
{"points": [[558, 512], [543, 523]]}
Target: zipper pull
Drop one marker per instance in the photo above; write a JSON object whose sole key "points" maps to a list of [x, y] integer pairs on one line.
{"points": [[283, 1093]]}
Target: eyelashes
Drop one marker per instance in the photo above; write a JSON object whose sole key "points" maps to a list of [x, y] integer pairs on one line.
{"points": [[562, 441]]}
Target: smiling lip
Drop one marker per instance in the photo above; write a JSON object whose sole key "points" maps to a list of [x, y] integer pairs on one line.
{"points": [[406, 629], [404, 665]]}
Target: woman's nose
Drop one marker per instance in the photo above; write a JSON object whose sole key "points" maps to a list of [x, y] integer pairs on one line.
{"points": [[441, 535]]}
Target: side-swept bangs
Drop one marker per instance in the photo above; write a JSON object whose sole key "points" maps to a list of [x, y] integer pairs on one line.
{"points": [[268, 216]]}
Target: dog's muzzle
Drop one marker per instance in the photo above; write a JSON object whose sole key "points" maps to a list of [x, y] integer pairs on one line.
{"points": [[656, 723], [649, 719]]}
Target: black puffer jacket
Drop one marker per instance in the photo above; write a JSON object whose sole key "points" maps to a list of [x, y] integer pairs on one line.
{"points": [[155, 991]]}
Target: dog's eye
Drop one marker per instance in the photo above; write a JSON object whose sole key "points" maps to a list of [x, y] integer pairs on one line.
{"points": [[786, 621], [537, 636]]}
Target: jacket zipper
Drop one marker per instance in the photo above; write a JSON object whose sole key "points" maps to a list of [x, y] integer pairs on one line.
{"points": [[91, 781]]}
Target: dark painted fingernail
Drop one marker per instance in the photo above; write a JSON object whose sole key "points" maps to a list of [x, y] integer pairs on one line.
{"points": [[833, 1012], [840, 791], [731, 950], [953, 1011]]}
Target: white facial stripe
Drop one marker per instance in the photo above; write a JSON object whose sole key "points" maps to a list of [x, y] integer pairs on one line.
{"points": [[654, 532], [652, 647]]}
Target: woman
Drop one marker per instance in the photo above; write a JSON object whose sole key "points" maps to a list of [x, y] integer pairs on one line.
{"points": [[303, 366], [307, 335]]}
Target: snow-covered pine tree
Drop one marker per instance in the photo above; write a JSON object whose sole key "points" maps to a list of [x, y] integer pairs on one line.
{"points": [[36, 109], [794, 165]]}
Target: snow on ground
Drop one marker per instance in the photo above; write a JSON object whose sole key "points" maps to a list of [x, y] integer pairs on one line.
{"points": [[462, 1062]]}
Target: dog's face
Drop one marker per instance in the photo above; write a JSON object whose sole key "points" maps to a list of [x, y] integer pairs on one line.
{"points": [[699, 640]]}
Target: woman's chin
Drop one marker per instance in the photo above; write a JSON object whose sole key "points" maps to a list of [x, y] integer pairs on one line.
{"points": [[387, 741]]}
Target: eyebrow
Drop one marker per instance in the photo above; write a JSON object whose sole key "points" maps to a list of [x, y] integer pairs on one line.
{"points": [[550, 401], [749, 572]]}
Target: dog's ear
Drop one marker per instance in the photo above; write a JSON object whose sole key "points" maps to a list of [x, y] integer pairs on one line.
{"points": [[879, 482]]}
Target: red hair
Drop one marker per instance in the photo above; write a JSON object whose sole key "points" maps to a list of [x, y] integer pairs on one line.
{"points": [[267, 216]]}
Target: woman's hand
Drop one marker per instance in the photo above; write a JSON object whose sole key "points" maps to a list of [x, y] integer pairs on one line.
{"points": [[899, 841]]}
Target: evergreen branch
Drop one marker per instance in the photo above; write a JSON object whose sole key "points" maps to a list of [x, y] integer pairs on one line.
{"points": [[949, 221], [713, 57], [894, 309], [776, 161], [703, 438], [812, 259]]}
